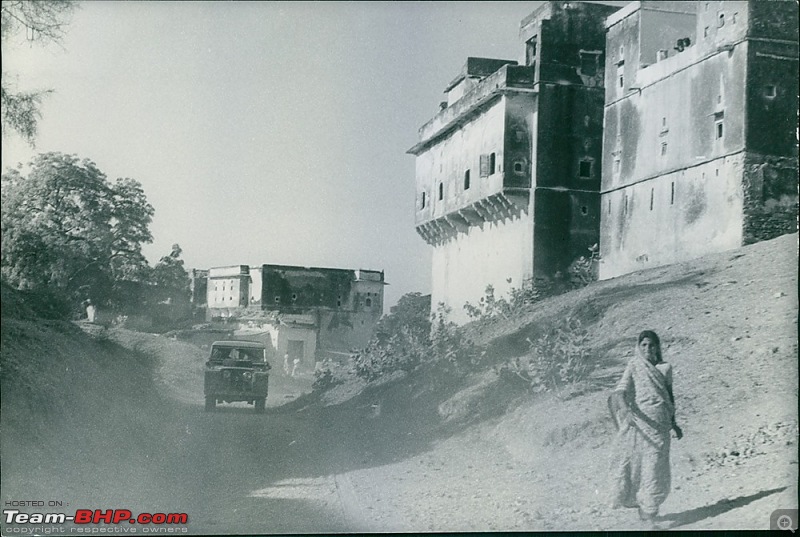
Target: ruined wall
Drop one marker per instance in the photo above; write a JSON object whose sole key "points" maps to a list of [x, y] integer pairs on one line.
{"points": [[770, 197], [492, 253], [290, 288]]}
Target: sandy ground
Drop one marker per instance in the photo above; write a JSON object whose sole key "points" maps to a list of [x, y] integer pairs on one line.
{"points": [[423, 452]]}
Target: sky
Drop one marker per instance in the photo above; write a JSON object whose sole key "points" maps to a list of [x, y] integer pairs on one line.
{"points": [[262, 132]]}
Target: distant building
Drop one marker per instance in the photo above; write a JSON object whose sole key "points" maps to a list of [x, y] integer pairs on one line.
{"points": [[508, 171], [228, 288], [700, 142], [307, 312]]}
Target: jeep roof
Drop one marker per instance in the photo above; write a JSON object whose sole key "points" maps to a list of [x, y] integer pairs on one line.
{"points": [[239, 344]]}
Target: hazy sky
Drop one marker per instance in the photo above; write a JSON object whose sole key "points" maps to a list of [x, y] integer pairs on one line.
{"points": [[263, 132]]}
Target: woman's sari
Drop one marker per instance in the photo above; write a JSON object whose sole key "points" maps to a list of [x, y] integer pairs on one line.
{"points": [[643, 410]]}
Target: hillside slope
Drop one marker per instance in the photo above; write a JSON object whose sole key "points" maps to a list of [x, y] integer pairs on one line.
{"points": [[728, 323]]}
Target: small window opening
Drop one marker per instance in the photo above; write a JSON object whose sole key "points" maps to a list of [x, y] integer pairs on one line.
{"points": [[294, 297], [441, 191], [651, 198], [672, 194], [584, 210], [734, 16], [663, 122], [530, 50], [423, 200], [466, 180], [492, 160], [625, 204], [609, 205], [621, 81], [720, 130], [770, 91], [518, 167], [663, 148], [716, 172], [369, 302], [585, 169], [705, 31], [277, 300], [617, 165], [721, 20]]}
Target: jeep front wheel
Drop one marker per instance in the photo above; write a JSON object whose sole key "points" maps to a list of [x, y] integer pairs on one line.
{"points": [[211, 403], [260, 405]]}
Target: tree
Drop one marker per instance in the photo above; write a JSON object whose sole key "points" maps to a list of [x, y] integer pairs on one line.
{"points": [[65, 227], [171, 278], [43, 21]]}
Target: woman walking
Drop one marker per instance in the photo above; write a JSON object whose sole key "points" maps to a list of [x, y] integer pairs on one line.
{"points": [[643, 409]]}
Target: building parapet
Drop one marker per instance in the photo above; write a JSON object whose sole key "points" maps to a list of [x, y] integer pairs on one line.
{"points": [[507, 79]]}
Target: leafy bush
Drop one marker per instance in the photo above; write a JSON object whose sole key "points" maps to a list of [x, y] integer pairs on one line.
{"points": [[584, 270], [559, 358], [401, 341], [325, 378]]}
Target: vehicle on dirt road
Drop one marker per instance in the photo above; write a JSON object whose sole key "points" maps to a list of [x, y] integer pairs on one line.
{"points": [[237, 371]]}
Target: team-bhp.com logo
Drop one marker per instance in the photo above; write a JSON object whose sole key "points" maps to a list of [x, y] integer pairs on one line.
{"points": [[88, 516]]}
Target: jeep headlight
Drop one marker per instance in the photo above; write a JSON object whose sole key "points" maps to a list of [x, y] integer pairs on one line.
{"points": [[248, 375]]}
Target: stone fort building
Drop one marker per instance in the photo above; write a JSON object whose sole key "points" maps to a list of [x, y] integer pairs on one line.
{"points": [[662, 130]]}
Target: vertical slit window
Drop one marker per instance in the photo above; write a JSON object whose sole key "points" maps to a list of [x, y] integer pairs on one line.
{"points": [[672, 194], [466, 180], [423, 200], [441, 191], [651, 198]]}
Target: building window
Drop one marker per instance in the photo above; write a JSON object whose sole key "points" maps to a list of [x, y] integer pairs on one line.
{"points": [[705, 32], [589, 62], [651, 198], [663, 148], [294, 297], [466, 180], [369, 302], [441, 191], [733, 18], [721, 20], [277, 300], [530, 50], [625, 204], [609, 205], [672, 194], [621, 81], [585, 169], [584, 210], [487, 166], [519, 167], [719, 130], [423, 201], [617, 165], [770, 91]]}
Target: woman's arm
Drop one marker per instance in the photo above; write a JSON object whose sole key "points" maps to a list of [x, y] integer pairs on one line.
{"points": [[668, 376]]}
